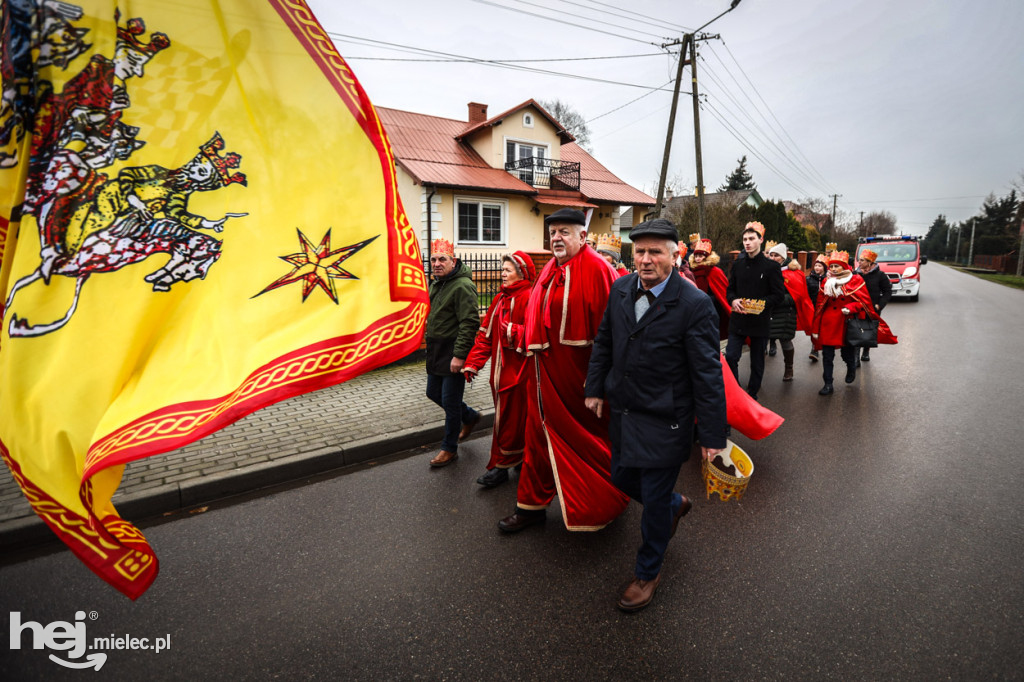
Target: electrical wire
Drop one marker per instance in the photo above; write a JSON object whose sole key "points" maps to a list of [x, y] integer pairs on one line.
{"points": [[768, 108], [484, 62], [620, 15], [565, 23], [507, 61], [684, 29], [580, 16]]}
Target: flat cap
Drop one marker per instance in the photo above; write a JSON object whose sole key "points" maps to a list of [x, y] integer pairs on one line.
{"points": [[566, 215], [659, 227]]}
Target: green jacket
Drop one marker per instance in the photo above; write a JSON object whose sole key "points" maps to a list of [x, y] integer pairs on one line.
{"points": [[453, 310]]}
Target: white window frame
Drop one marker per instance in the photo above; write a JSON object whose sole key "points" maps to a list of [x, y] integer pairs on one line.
{"points": [[480, 201], [530, 143]]}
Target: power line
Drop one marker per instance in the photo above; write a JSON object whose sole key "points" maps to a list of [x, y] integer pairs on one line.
{"points": [[792, 141], [508, 61], [750, 148], [678, 27], [623, 106], [485, 62], [619, 14], [565, 23], [757, 132], [580, 16]]}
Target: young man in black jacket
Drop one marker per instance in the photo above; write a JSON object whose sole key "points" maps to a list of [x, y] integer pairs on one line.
{"points": [[753, 278]]}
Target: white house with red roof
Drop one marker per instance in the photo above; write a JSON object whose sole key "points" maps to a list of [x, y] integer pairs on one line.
{"points": [[486, 184]]}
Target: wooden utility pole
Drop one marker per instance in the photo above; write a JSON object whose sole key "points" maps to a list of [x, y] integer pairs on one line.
{"points": [[671, 127], [691, 40], [970, 252], [833, 231]]}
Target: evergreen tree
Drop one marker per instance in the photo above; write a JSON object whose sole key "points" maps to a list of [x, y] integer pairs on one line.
{"points": [[739, 178]]}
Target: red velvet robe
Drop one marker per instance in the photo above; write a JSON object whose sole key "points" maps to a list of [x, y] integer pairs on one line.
{"points": [[496, 341], [568, 452], [829, 325], [713, 282]]}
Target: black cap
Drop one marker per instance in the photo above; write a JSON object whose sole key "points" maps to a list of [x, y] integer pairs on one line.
{"points": [[659, 227], [566, 215]]}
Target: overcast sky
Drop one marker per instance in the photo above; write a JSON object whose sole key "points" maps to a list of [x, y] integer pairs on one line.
{"points": [[913, 107]]}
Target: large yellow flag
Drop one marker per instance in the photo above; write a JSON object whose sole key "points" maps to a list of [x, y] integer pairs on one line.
{"points": [[198, 217]]}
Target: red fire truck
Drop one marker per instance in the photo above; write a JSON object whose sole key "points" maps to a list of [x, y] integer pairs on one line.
{"points": [[900, 258]]}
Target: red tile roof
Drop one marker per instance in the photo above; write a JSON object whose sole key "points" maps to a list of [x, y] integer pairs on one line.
{"points": [[555, 197], [564, 134], [599, 184], [427, 147]]}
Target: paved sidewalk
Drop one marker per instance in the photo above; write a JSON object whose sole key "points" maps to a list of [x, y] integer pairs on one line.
{"points": [[379, 413]]}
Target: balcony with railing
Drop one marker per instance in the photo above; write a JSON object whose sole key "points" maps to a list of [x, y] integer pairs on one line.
{"points": [[541, 172]]}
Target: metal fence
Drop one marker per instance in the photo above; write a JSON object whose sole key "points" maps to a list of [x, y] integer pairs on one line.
{"points": [[486, 269]]}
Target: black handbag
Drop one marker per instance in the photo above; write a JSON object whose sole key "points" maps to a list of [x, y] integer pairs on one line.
{"points": [[861, 333]]}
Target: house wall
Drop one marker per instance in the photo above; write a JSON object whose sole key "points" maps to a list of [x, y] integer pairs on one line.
{"points": [[489, 143]]}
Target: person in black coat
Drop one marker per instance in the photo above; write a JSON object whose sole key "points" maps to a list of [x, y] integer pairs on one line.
{"points": [[878, 283], [656, 361], [755, 277], [819, 270]]}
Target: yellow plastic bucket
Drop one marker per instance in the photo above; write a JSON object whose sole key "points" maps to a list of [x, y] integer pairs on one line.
{"points": [[728, 487]]}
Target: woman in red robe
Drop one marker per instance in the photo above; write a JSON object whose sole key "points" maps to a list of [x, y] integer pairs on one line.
{"points": [[843, 294], [712, 281], [496, 341]]}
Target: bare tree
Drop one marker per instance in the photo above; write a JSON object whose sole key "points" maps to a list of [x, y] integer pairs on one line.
{"points": [[571, 120], [877, 222]]}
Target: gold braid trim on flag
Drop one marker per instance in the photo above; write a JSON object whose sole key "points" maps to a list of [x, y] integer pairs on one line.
{"points": [[93, 547], [272, 378], [409, 278]]}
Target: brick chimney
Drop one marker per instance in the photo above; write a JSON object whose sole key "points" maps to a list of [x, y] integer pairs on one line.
{"points": [[477, 113]]}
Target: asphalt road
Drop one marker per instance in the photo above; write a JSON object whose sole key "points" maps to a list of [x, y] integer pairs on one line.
{"points": [[880, 538]]}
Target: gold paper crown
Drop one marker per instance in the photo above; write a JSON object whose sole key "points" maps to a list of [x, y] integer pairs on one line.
{"points": [[822, 258], [753, 305], [768, 246], [869, 254], [694, 237], [703, 246], [839, 257], [609, 242], [756, 227], [830, 247], [442, 246]]}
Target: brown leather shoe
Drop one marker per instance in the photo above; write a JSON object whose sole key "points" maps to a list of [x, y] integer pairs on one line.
{"points": [[523, 518], [444, 458], [638, 594], [684, 508], [468, 427]]}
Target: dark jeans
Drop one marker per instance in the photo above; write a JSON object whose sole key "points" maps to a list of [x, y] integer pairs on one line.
{"points": [[653, 489], [447, 391], [733, 351], [828, 358]]}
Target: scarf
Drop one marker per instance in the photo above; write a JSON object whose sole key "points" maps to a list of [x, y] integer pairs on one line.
{"points": [[834, 284]]}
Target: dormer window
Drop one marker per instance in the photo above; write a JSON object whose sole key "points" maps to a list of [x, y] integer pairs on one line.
{"points": [[527, 120], [531, 162]]}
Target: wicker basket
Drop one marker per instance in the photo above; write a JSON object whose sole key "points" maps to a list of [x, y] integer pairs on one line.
{"points": [[728, 487]]}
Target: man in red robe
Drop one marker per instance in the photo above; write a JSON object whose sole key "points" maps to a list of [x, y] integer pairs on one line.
{"points": [[567, 452]]}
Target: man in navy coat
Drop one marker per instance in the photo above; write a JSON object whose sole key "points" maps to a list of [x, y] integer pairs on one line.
{"points": [[656, 366]]}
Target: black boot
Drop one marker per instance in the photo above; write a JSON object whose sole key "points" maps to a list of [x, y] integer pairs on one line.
{"points": [[864, 356], [493, 478], [851, 373], [787, 356], [813, 356], [771, 348], [827, 389]]}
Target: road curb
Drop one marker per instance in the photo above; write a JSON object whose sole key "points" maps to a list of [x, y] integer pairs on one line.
{"points": [[29, 531]]}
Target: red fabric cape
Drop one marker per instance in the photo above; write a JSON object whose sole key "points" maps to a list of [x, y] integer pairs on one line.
{"points": [[796, 284], [589, 277], [745, 414], [829, 325]]}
